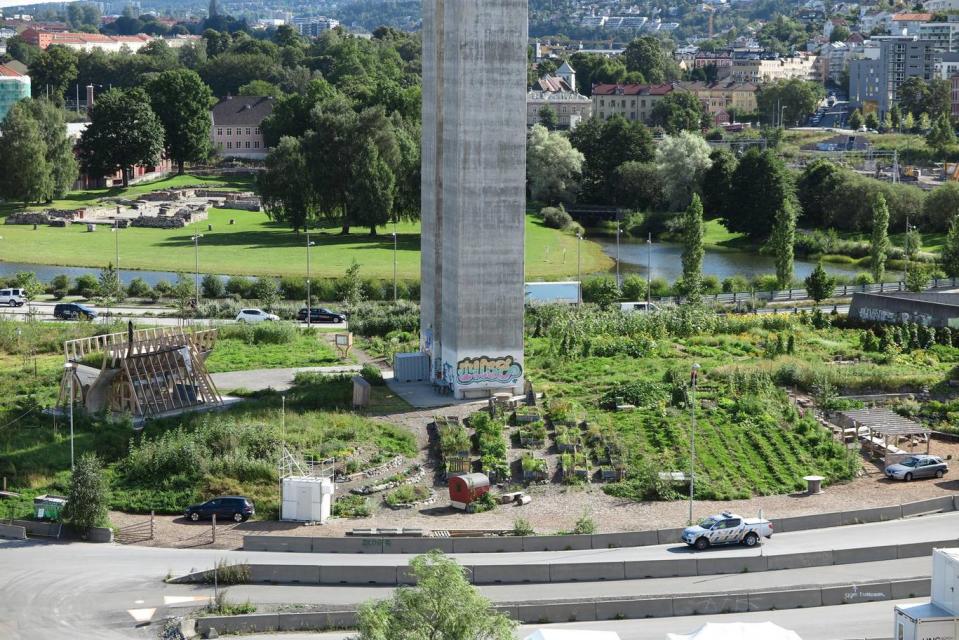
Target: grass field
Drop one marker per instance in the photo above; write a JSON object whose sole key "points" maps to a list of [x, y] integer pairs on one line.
{"points": [[254, 245]]}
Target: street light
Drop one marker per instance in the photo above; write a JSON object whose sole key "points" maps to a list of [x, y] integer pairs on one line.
{"points": [[649, 269], [579, 267], [309, 297], [196, 257], [693, 378], [618, 282], [69, 369], [782, 111], [116, 244], [394, 261]]}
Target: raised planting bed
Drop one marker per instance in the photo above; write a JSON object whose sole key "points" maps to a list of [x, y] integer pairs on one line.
{"points": [[409, 496], [454, 440], [525, 415], [568, 439], [533, 435], [575, 467], [534, 469]]}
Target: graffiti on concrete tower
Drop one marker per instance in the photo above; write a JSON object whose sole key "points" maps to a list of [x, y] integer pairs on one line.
{"points": [[483, 369]]}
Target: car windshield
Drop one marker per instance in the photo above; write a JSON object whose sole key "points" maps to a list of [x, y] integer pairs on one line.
{"points": [[707, 523], [910, 462]]}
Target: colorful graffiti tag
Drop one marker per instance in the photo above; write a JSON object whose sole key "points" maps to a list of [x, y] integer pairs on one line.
{"points": [[504, 370]]}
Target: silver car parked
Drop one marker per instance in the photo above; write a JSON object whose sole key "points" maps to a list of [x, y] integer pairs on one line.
{"points": [[915, 467]]}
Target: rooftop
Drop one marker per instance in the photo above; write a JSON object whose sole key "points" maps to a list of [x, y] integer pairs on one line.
{"points": [[884, 422], [242, 110], [912, 17], [632, 89]]}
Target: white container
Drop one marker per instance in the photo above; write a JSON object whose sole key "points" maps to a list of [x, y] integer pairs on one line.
{"points": [[306, 499], [925, 622], [945, 580]]}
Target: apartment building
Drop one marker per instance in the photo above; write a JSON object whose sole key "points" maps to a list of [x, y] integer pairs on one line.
{"points": [[756, 70], [875, 82], [634, 102], [237, 122], [14, 86], [723, 96], [313, 27]]}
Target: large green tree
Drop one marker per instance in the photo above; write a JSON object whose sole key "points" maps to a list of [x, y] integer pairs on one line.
{"points": [[89, 494], [53, 71], [553, 166], [717, 183], [681, 161], [816, 189], [950, 249], [181, 101], [649, 57], [694, 230], [638, 186], [123, 132], [442, 606], [678, 111], [762, 186], [373, 187], [285, 185], [789, 101], [879, 242], [25, 174], [606, 145], [783, 241], [942, 137]]}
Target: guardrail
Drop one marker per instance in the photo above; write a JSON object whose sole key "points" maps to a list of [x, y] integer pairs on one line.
{"points": [[514, 544]]}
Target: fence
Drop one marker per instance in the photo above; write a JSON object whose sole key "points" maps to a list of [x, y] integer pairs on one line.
{"points": [[138, 531]]}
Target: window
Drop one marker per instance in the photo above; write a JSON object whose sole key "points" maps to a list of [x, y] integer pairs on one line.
{"points": [[219, 145], [229, 132], [219, 131], [239, 132], [257, 131], [229, 144], [632, 115], [602, 102], [247, 144], [256, 144], [248, 131]]}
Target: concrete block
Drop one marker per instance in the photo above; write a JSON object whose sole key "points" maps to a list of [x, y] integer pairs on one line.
{"points": [[100, 534], [557, 543], [510, 573], [317, 621], [799, 560], [284, 574], [713, 603], [634, 609], [917, 549], [916, 588], [670, 536], [741, 564], [586, 571], [867, 554], [556, 612], [933, 505], [878, 514], [417, 546], [661, 568], [805, 523], [289, 544], [627, 539], [13, 532], [331, 574], [791, 599], [347, 545], [496, 544], [856, 593], [251, 623]]}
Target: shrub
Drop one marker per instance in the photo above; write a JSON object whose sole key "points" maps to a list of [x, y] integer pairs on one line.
{"points": [[239, 286], [407, 494], [380, 319], [294, 288], [556, 217], [639, 393], [138, 288], [86, 286], [522, 527], [59, 283], [212, 287], [584, 525], [351, 506], [372, 374], [229, 573], [87, 503], [634, 288], [163, 289], [266, 292], [602, 291]]}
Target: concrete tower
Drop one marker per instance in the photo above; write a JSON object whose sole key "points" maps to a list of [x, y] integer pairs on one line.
{"points": [[474, 170]]}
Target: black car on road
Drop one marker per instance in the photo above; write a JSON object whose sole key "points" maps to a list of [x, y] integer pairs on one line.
{"points": [[236, 508], [73, 311], [319, 314]]}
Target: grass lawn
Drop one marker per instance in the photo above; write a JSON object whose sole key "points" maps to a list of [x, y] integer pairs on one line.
{"points": [[305, 350], [254, 245]]}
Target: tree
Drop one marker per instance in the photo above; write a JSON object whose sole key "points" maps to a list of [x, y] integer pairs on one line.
{"points": [[761, 184], [373, 188], [123, 132], [783, 240], [912, 243], [442, 605], [638, 186], [856, 120], [61, 160], [879, 244], [693, 232], [940, 206], [260, 88], [950, 249], [285, 186], [108, 287], [678, 111], [790, 100], [913, 96], [647, 56], [816, 190], [909, 122], [839, 34], [917, 279], [895, 116], [819, 284], [872, 121], [681, 161], [606, 145], [718, 183], [553, 166], [942, 136], [547, 118], [87, 500], [181, 101], [52, 71], [24, 171]]}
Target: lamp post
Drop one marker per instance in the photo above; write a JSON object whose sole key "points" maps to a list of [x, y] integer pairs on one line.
{"points": [[309, 297], [649, 269], [693, 378], [579, 268], [196, 258], [69, 370], [618, 282], [782, 111], [116, 249], [395, 240]]}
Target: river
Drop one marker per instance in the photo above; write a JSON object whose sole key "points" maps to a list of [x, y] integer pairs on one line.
{"points": [[45, 273], [665, 261]]}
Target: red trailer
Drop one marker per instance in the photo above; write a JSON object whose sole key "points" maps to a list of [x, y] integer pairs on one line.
{"points": [[467, 488]]}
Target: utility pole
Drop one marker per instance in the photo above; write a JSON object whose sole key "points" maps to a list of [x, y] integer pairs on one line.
{"points": [[693, 378], [309, 297], [196, 258], [394, 259], [649, 269], [619, 282], [579, 267], [70, 372]]}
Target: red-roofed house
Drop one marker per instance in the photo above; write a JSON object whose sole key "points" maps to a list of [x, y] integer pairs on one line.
{"points": [[908, 23], [14, 86], [632, 101], [84, 41]]}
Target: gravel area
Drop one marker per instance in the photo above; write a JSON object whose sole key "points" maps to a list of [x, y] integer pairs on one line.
{"points": [[555, 507]]}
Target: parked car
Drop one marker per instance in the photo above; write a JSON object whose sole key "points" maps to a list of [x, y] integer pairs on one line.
{"points": [[727, 528], [915, 467], [319, 314], [13, 297], [236, 508], [73, 311], [256, 315]]}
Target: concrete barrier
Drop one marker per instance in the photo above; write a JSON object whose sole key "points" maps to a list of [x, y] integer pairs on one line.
{"points": [[856, 593], [800, 560], [252, 623], [804, 523], [661, 568], [331, 574], [669, 536], [505, 544], [626, 539], [100, 534], [867, 554], [316, 621], [933, 505], [39, 528], [791, 599], [290, 544], [557, 543], [556, 612], [510, 574], [711, 604], [915, 588], [587, 571], [285, 574], [347, 545], [917, 549], [418, 545], [714, 566], [13, 532], [877, 514]]}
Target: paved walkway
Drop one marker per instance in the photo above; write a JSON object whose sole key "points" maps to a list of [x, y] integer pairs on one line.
{"points": [[278, 379]]}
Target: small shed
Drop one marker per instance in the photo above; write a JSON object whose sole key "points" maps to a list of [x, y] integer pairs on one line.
{"points": [[882, 430], [467, 488]]}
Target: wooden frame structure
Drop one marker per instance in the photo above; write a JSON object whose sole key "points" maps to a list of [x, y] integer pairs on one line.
{"points": [[143, 373], [881, 425]]}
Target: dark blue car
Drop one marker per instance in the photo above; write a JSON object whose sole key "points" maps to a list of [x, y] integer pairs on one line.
{"points": [[236, 508], [73, 311]]}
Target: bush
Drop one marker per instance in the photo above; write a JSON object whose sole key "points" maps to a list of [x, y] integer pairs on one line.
{"points": [[86, 286], [380, 319], [602, 291], [584, 526], [294, 288], [163, 289], [351, 506], [59, 283], [634, 288], [556, 217], [212, 287], [138, 288], [239, 286], [639, 393], [266, 292], [372, 374], [522, 527], [87, 501]]}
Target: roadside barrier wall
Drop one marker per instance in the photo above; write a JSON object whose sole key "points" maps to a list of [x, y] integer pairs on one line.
{"points": [[513, 544], [13, 532]]}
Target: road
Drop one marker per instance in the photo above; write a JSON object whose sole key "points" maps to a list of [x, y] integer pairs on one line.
{"points": [[51, 590]]}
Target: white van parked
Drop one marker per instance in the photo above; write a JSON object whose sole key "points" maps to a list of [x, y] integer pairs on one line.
{"points": [[630, 307], [13, 297]]}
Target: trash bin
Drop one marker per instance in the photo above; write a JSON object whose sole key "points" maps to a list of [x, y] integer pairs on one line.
{"points": [[47, 507]]}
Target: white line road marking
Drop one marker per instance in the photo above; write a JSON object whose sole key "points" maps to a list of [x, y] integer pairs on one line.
{"points": [[170, 600], [141, 615], [138, 602]]}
